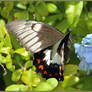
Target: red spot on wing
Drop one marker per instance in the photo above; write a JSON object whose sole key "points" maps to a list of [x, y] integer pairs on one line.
{"points": [[38, 61], [41, 67], [56, 74], [45, 72], [50, 74]]}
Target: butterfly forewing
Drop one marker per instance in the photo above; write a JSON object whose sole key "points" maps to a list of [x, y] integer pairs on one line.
{"points": [[34, 36]]}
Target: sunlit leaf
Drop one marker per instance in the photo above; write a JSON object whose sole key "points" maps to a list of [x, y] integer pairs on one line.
{"points": [[69, 81], [1, 45], [30, 78], [73, 11], [4, 37], [43, 86], [52, 8], [5, 50], [23, 52], [8, 59], [16, 87], [28, 64], [16, 75], [21, 6], [53, 82], [10, 66], [2, 23], [49, 85], [2, 59]]}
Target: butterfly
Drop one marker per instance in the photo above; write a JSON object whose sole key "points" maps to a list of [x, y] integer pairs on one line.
{"points": [[50, 46]]}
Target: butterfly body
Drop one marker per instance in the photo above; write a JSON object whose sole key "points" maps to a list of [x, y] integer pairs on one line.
{"points": [[50, 46]]}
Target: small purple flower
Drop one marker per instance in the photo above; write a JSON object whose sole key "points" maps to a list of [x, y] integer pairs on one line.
{"points": [[84, 53]]}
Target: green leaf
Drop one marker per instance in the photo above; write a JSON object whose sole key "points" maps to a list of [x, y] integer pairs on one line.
{"points": [[6, 50], [53, 82], [10, 66], [1, 45], [71, 89], [71, 69], [2, 23], [31, 8], [69, 81], [43, 86], [41, 9], [22, 15], [88, 20], [7, 78], [18, 60], [16, 75], [73, 11], [8, 59], [30, 78], [5, 59], [2, 59], [23, 52], [5, 13], [62, 26], [52, 19], [17, 87], [49, 85], [0, 9], [21, 6], [14, 42], [4, 37], [8, 4], [28, 64], [6, 10], [85, 83], [52, 8]]}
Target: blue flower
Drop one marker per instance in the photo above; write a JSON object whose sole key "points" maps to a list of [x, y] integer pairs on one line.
{"points": [[84, 53]]}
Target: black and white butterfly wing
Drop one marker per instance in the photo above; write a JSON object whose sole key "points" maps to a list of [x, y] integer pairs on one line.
{"points": [[34, 36], [64, 43]]}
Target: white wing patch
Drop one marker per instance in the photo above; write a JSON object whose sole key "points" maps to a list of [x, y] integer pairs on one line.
{"points": [[33, 41], [55, 59], [47, 56], [36, 46], [28, 38], [37, 27]]}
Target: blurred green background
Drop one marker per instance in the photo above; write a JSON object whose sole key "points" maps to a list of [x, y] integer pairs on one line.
{"points": [[18, 63]]}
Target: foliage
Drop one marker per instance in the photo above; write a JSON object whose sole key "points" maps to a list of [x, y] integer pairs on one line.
{"points": [[21, 75]]}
